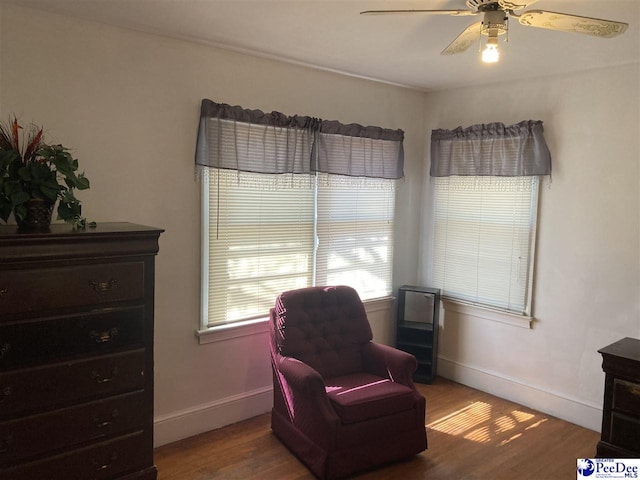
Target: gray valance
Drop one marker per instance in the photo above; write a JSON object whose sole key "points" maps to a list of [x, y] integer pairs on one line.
{"points": [[231, 137], [223, 111], [491, 150]]}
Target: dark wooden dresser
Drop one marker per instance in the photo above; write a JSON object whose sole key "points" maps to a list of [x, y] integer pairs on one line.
{"points": [[621, 411], [76, 353]]}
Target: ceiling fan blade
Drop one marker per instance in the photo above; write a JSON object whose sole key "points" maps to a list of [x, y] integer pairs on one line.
{"points": [[515, 4], [455, 13], [463, 41], [572, 23]]}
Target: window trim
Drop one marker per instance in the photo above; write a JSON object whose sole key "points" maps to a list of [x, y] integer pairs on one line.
{"points": [[487, 313], [204, 250], [221, 333]]}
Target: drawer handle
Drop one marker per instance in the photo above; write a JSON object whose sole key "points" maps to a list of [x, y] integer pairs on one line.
{"points": [[3, 292], [105, 466], [100, 379], [107, 423], [5, 392], [5, 443], [633, 390], [4, 349], [102, 337], [103, 287]]}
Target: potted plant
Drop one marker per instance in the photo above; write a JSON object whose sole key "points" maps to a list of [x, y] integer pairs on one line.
{"points": [[34, 175]]}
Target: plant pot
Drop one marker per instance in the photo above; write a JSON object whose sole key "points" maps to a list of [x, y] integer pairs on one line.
{"points": [[38, 215]]}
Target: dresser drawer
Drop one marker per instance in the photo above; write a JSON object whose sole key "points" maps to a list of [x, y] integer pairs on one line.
{"points": [[97, 462], [28, 343], [625, 432], [626, 397], [62, 384], [36, 435], [38, 289]]}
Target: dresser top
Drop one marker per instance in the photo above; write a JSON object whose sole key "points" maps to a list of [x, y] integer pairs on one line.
{"points": [[62, 241], [64, 229], [627, 348]]}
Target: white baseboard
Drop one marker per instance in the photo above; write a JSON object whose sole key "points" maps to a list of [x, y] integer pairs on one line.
{"points": [[545, 401], [210, 416]]}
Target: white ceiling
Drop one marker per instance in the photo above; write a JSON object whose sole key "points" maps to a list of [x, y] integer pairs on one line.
{"points": [[399, 49]]}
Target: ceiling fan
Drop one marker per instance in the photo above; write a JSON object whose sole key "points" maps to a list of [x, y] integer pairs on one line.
{"points": [[494, 23]]}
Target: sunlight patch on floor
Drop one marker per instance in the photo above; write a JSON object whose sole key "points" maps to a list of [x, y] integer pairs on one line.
{"points": [[478, 423], [463, 420]]}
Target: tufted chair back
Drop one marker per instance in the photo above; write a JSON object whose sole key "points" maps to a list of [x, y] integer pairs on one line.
{"points": [[324, 327]]}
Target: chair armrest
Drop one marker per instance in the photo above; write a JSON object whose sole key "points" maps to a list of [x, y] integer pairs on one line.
{"points": [[300, 376], [302, 392], [389, 362]]}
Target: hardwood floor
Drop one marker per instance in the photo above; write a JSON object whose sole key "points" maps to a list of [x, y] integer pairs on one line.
{"points": [[472, 436]]}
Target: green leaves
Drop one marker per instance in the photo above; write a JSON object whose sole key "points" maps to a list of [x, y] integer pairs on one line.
{"points": [[19, 197], [48, 173], [82, 182], [65, 166], [69, 208], [82, 223], [40, 181], [7, 157], [5, 211]]}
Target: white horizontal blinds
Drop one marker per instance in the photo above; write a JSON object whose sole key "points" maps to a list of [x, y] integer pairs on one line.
{"points": [[484, 234], [355, 234], [260, 241]]}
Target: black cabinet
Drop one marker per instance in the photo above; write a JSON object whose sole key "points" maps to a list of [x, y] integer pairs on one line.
{"points": [[76, 352], [621, 410], [417, 328]]}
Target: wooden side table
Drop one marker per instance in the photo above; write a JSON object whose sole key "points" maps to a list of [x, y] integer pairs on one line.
{"points": [[621, 411]]}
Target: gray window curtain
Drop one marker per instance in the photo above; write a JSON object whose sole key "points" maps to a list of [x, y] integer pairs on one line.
{"points": [[358, 151], [231, 137], [491, 150]]}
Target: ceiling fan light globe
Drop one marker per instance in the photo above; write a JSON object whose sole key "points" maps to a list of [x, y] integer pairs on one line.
{"points": [[490, 54]]}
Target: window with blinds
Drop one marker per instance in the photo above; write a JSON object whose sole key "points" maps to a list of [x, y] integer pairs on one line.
{"points": [[484, 235], [265, 234], [355, 234], [259, 243]]}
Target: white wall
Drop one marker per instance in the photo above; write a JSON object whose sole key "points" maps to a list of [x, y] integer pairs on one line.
{"points": [[128, 104], [587, 271]]}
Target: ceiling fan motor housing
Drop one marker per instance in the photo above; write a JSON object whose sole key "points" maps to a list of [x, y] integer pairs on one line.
{"points": [[494, 23], [482, 5], [488, 5]]}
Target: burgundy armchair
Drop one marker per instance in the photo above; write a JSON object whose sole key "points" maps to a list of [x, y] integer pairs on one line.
{"points": [[342, 404]]}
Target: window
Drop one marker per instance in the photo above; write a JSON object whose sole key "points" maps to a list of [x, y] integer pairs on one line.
{"points": [[485, 239], [355, 235], [259, 242], [291, 202], [261, 239], [485, 209]]}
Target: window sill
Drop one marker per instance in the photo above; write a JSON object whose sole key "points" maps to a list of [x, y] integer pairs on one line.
{"points": [[378, 304], [522, 321], [257, 326], [221, 333]]}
